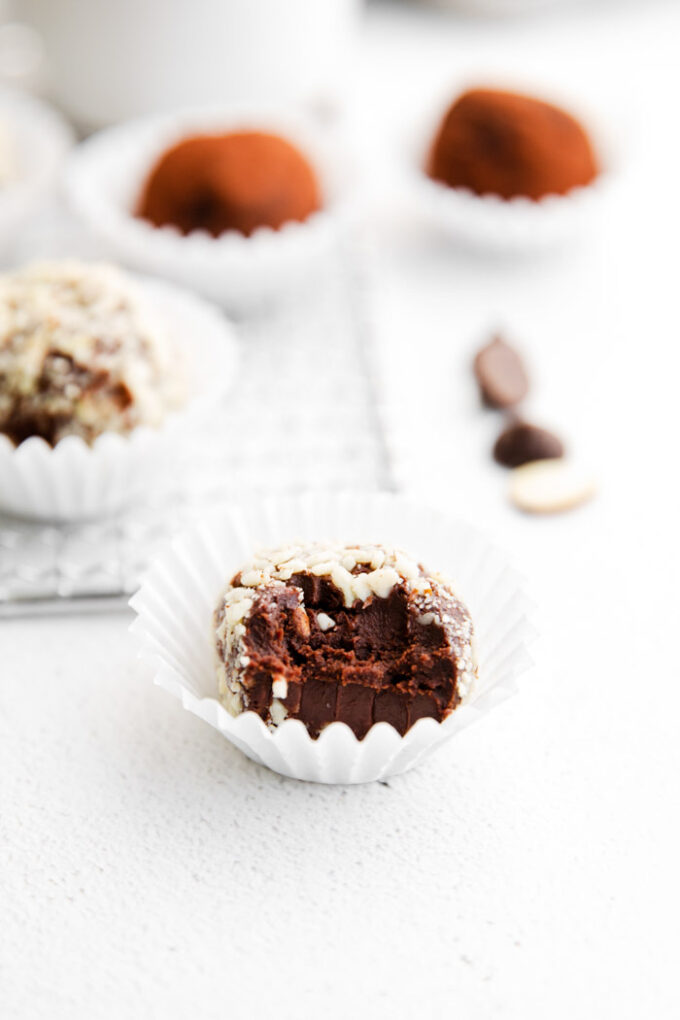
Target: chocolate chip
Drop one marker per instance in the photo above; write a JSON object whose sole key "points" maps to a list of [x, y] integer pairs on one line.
{"points": [[501, 375], [521, 443]]}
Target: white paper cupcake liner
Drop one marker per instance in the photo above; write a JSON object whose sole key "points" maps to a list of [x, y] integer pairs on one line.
{"points": [[504, 226], [39, 139], [105, 177], [77, 481], [177, 598]]}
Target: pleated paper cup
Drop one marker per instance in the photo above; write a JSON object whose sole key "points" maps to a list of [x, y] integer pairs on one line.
{"points": [[498, 225], [76, 481], [106, 175], [38, 140], [175, 629]]}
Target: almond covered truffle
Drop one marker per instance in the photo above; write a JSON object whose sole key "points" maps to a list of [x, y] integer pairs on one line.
{"points": [[239, 181], [80, 354], [501, 143], [356, 634]]}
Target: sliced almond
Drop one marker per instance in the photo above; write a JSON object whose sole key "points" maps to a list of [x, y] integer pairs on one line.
{"points": [[301, 623], [549, 486]]}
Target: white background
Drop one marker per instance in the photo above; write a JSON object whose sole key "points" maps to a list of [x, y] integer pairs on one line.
{"points": [[531, 867]]}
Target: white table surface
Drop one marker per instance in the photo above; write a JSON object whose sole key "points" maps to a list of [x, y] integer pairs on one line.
{"points": [[529, 869]]}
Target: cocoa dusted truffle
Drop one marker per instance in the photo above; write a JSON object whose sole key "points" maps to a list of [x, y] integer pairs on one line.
{"points": [[238, 181], [356, 634], [505, 144], [80, 354]]}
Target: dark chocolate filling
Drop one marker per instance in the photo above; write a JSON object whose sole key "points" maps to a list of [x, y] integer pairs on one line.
{"points": [[379, 662]]}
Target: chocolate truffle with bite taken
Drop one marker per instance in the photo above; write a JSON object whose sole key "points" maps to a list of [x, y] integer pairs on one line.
{"points": [[239, 181], [356, 634]]}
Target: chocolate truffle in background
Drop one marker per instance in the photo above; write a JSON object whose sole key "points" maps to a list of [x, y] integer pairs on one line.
{"points": [[326, 633], [502, 143], [238, 181], [81, 354]]}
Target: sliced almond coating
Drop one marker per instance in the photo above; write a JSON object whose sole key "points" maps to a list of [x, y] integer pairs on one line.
{"points": [[550, 486]]}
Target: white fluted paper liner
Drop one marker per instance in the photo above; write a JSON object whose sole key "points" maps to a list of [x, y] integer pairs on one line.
{"points": [[106, 174], [497, 225], [39, 140], [177, 598], [74, 480]]}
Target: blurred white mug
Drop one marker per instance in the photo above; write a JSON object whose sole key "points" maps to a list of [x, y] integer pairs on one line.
{"points": [[108, 60]]}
